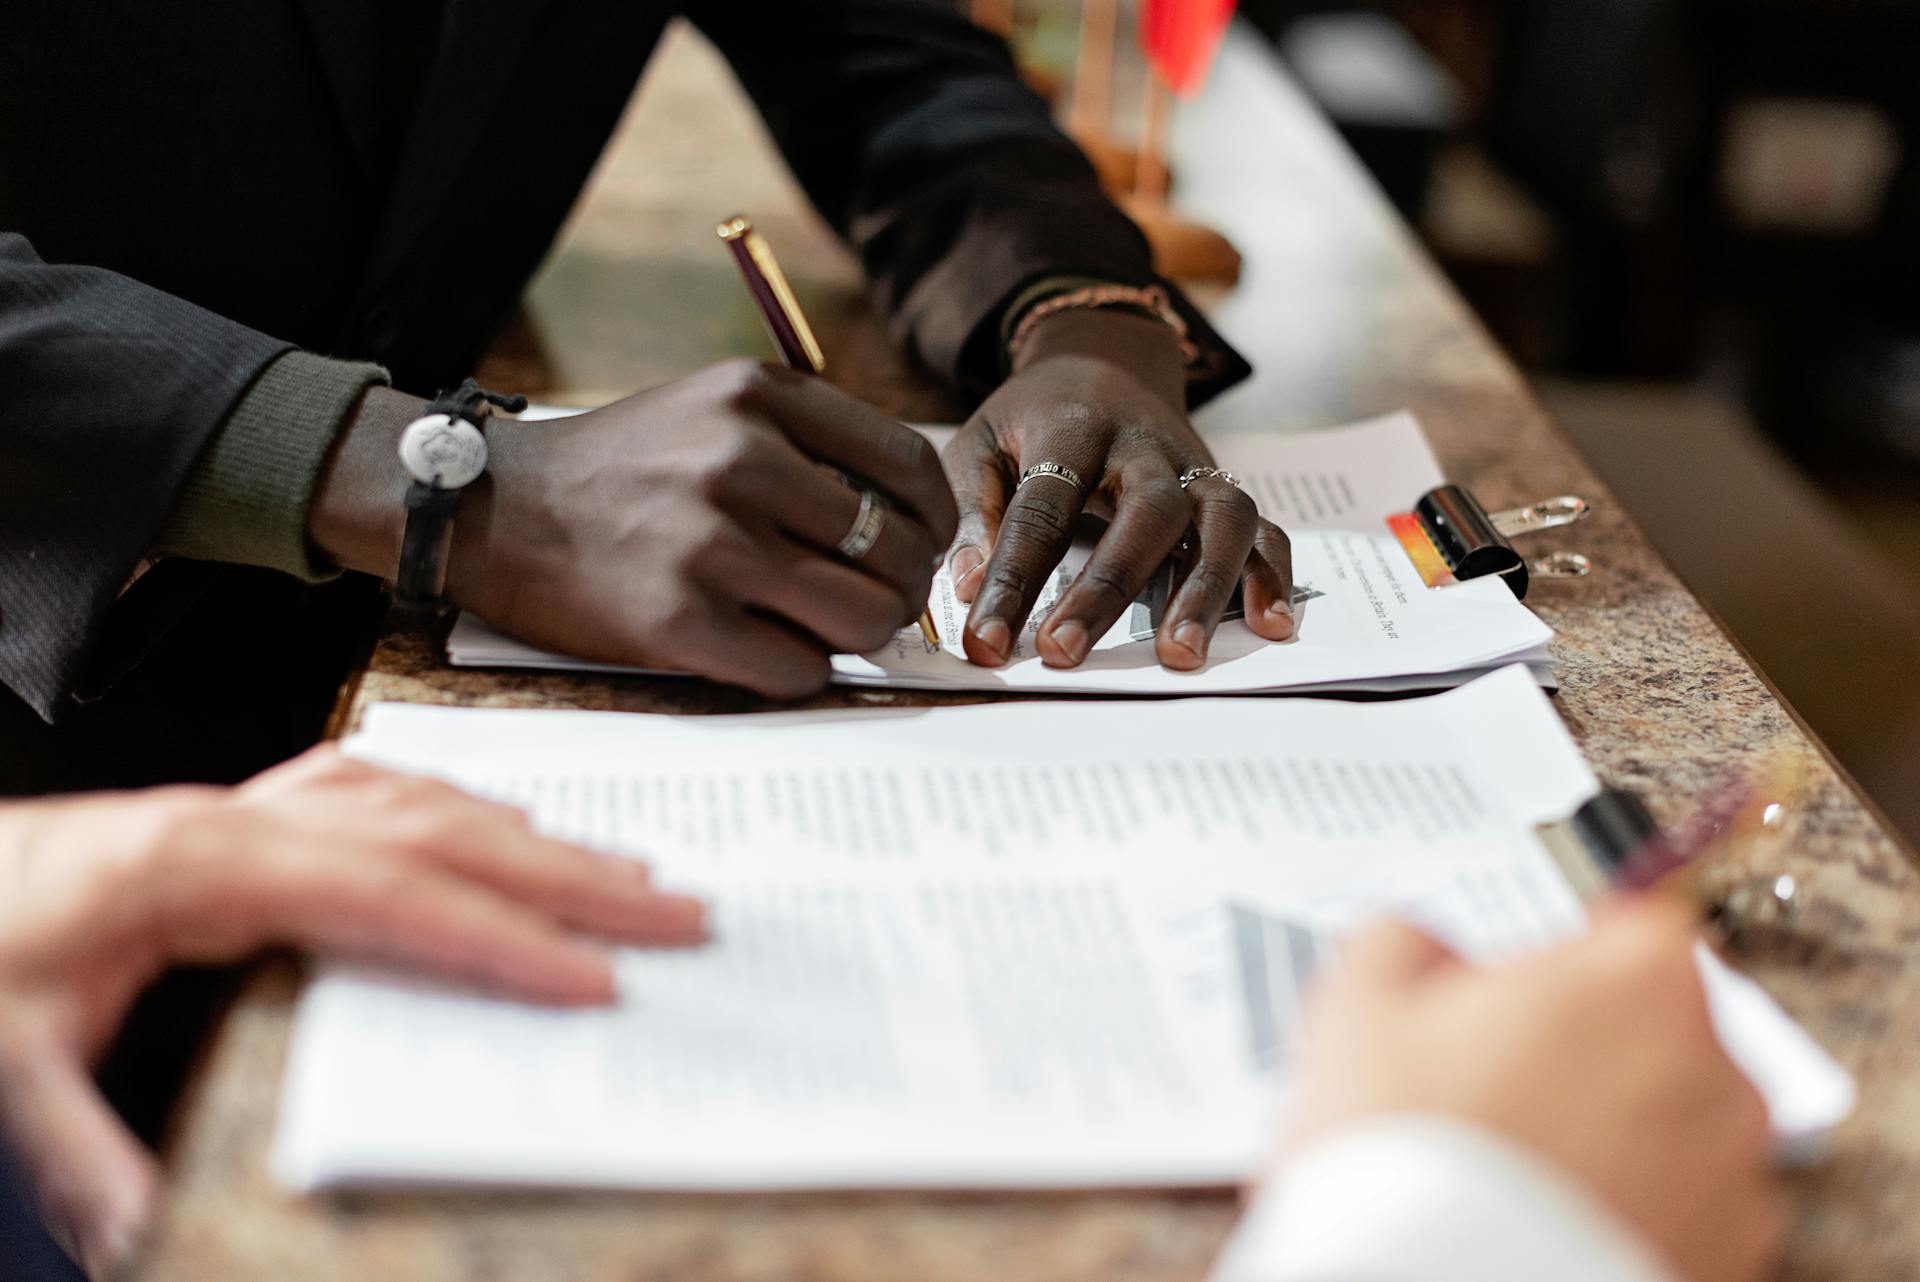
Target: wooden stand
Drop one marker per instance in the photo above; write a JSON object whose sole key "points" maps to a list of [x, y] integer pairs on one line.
{"points": [[994, 15], [998, 17], [1091, 112], [1182, 248]]}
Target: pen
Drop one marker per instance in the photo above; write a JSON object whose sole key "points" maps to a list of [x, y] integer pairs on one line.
{"points": [[1680, 861], [786, 325]]}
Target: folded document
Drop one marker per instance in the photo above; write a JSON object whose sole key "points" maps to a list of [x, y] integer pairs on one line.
{"points": [[1364, 620], [1018, 945]]}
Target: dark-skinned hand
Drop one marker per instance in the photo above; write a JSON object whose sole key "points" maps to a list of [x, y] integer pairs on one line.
{"points": [[690, 527], [1103, 392]]}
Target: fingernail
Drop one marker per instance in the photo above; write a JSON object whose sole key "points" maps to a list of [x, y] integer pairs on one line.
{"points": [[996, 637], [1071, 637], [592, 981], [965, 561], [1281, 613], [1194, 637]]}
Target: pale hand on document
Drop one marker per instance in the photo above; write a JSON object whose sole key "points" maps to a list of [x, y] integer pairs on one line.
{"points": [[104, 893]]}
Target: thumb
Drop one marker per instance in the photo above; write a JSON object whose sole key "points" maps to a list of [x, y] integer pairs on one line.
{"points": [[95, 1183], [1662, 918], [1393, 954]]}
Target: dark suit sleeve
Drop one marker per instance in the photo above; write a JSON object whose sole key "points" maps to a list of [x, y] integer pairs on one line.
{"points": [[914, 135], [108, 391], [27, 1252]]}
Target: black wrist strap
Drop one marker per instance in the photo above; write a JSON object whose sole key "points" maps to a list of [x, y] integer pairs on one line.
{"points": [[419, 582]]}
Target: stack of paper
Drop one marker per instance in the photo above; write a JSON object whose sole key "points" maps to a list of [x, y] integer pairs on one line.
{"points": [[1019, 945], [1364, 620]]}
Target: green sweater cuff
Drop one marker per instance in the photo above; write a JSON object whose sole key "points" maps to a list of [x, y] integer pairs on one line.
{"points": [[246, 499]]}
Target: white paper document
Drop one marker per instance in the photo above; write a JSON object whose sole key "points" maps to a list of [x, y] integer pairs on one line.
{"points": [[1020, 945], [1363, 618]]}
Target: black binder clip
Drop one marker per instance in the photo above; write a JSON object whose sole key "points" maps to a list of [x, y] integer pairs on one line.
{"points": [[1593, 845], [1450, 537]]}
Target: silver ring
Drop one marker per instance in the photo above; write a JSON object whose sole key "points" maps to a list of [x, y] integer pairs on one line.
{"points": [[1193, 474], [1058, 471], [866, 527]]}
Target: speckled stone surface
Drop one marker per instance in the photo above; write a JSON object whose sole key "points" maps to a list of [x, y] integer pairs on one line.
{"points": [[1344, 319]]}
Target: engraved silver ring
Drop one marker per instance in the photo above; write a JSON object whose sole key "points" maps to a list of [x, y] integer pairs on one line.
{"points": [[1193, 474], [866, 527], [1058, 471]]}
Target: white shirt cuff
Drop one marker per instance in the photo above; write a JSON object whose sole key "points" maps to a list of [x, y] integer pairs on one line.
{"points": [[1416, 1198]]}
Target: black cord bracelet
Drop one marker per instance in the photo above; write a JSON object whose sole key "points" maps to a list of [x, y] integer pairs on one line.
{"points": [[444, 451]]}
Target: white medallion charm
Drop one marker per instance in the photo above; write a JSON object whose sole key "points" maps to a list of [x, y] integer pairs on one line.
{"points": [[442, 450]]}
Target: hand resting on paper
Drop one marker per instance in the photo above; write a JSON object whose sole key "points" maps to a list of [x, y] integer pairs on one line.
{"points": [[690, 527], [1597, 1058], [324, 853], [1104, 394]]}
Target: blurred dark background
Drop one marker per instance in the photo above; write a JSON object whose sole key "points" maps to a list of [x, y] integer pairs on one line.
{"points": [[1696, 223]]}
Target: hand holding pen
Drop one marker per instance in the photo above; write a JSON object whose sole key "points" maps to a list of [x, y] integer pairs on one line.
{"points": [[699, 526], [1596, 1058], [692, 527], [800, 350]]}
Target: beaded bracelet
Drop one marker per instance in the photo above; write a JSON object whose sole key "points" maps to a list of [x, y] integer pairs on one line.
{"points": [[1148, 300]]}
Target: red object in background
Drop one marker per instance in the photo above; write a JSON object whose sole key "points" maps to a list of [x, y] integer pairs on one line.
{"points": [[1180, 38]]}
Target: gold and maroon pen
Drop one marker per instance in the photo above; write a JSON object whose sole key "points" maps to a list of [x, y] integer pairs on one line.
{"points": [[786, 325]]}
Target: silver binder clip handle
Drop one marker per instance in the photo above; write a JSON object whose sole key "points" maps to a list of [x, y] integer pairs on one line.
{"points": [[1560, 565], [1761, 901], [1544, 515]]}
